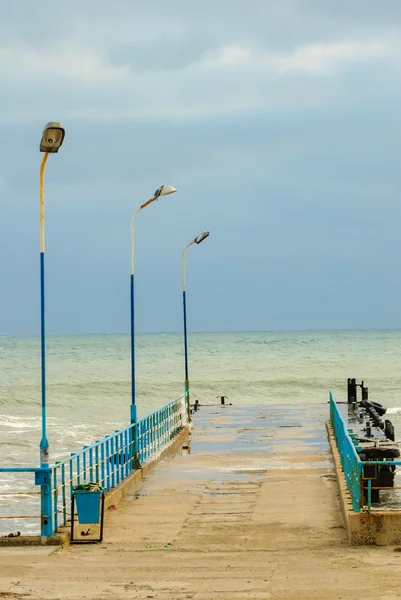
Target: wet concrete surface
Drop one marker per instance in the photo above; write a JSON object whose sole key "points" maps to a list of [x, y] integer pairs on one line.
{"points": [[248, 509], [265, 430]]}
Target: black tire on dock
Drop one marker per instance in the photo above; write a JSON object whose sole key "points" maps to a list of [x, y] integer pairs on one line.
{"points": [[381, 453], [379, 408]]}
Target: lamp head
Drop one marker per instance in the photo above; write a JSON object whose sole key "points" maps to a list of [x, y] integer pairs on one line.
{"points": [[164, 190], [52, 137], [201, 237]]}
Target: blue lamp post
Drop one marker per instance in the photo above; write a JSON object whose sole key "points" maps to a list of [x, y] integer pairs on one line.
{"points": [[197, 240], [52, 139], [163, 190]]}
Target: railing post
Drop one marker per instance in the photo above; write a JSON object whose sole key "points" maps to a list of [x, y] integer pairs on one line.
{"points": [[102, 470], [117, 457], [55, 496], [122, 456], [84, 465], [44, 478], [63, 494], [91, 464], [97, 461], [112, 461], [71, 473], [134, 432], [137, 460], [108, 465], [46, 505], [126, 453], [360, 487], [78, 470], [146, 437]]}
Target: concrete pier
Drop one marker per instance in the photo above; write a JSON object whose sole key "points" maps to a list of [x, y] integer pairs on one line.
{"points": [[249, 510]]}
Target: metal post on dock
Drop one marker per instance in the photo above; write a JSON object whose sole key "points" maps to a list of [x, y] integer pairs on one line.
{"points": [[351, 390], [52, 139], [163, 190], [202, 236]]}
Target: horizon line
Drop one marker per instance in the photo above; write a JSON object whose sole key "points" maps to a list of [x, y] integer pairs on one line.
{"points": [[311, 330]]}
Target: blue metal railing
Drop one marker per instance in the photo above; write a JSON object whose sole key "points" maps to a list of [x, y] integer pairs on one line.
{"points": [[350, 461], [353, 467], [108, 462]]}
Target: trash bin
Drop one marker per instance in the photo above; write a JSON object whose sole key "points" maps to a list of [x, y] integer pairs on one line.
{"points": [[88, 506], [89, 501]]}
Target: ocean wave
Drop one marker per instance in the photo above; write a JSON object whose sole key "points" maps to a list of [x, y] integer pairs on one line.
{"points": [[393, 410]]}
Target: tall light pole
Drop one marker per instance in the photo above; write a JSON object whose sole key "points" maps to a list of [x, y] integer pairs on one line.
{"points": [[197, 240], [52, 138], [163, 190]]}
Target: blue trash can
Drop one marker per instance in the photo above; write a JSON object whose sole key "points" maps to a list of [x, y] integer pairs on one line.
{"points": [[88, 506]]}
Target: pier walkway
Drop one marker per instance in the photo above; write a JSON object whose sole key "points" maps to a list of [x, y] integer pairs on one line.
{"points": [[250, 511]]}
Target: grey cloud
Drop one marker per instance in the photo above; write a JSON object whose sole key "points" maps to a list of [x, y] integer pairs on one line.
{"points": [[295, 173], [169, 28], [174, 54]]}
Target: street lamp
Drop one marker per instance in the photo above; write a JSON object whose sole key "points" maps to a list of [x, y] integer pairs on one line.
{"points": [[163, 190], [197, 240], [52, 139]]}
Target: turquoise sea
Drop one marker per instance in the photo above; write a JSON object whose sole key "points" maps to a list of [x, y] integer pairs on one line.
{"points": [[89, 392], [88, 378]]}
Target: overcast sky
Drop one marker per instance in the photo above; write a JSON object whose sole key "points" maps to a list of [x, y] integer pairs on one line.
{"points": [[279, 124]]}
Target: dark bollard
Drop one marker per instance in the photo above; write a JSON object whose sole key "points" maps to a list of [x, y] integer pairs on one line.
{"points": [[365, 392], [389, 430], [351, 390]]}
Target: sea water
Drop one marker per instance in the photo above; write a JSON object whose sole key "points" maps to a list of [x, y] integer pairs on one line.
{"points": [[89, 389]]}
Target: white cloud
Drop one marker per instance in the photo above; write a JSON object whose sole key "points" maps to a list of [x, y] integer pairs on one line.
{"points": [[310, 58], [89, 64], [71, 61], [233, 54], [317, 58], [171, 74]]}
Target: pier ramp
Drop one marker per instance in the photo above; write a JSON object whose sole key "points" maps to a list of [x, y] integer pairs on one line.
{"points": [[248, 508]]}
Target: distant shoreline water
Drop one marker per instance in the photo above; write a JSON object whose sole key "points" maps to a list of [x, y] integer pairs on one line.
{"points": [[228, 332]]}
